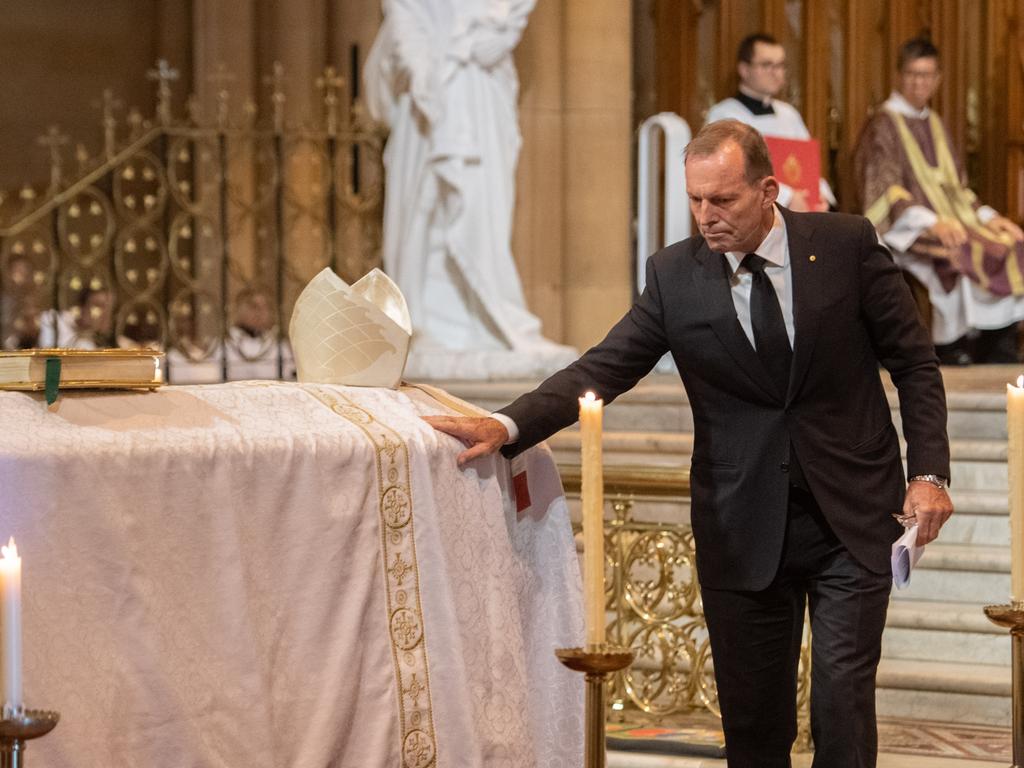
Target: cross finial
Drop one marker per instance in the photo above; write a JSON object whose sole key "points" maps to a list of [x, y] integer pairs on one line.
{"points": [[54, 140], [109, 105], [277, 98], [220, 78], [194, 109], [330, 82], [135, 123], [164, 75]]}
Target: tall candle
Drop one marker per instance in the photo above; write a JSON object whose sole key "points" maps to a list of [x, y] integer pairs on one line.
{"points": [[1015, 467], [10, 628], [592, 502]]}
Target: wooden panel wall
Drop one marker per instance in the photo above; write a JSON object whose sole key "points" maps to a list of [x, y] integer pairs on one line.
{"points": [[843, 56]]}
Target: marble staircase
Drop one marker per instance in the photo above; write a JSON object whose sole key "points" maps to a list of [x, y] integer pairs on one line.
{"points": [[942, 659]]}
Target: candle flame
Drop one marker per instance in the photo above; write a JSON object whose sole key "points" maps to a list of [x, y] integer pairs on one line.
{"points": [[591, 397], [1020, 381], [10, 552]]}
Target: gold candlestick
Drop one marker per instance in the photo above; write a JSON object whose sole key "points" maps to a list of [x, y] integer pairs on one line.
{"points": [[18, 729], [1012, 617], [596, 662]]}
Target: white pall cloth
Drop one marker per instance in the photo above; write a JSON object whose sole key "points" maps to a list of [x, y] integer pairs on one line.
{"points": [[441, 76], [278, 575]]}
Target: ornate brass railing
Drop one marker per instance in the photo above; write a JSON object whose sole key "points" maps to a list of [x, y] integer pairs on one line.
{"points": [[194, 234], [653, 602]]}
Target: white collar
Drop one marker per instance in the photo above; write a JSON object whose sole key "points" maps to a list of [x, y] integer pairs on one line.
{"points": [[897, 103], [773, 249]]}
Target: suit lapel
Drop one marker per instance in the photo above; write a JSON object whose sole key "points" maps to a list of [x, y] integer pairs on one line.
{"points": [[807, 286], [715, 294]]}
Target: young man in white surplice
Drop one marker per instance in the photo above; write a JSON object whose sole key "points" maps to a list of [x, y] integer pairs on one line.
{"points": [[761, 68]]}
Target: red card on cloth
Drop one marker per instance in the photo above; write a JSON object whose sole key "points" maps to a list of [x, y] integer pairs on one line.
{"points": [[797, 163], [520, 483], [521, 487]]}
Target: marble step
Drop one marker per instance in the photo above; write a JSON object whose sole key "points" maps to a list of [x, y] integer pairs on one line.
{"points": [[943, 632], [617, 759], [939, 615], [947, 691], [975, 398], [978, 574], [977, 465]]}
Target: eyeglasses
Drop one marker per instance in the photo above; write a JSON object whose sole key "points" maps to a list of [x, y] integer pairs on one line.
{"points": [[771, 66], [914, 74]]}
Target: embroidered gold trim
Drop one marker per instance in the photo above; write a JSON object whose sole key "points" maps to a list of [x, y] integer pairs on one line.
{"points": [[978, 262], [447, 400], [1013, 274], [878, 211], [941, 184], [399, 565]]}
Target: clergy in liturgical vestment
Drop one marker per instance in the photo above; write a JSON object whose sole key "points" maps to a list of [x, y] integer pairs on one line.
{"points": [[441, 76], [914, 190], [761, 66]]}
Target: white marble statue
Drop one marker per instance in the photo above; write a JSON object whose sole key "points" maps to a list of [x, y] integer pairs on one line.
{"points": [[441, 76]]}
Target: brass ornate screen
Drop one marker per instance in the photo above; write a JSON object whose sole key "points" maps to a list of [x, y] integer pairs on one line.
{"points": [[193, 234]]}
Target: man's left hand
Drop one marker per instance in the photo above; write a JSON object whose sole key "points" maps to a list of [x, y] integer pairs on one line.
{"points": [[930, 505], [1003, 226]]}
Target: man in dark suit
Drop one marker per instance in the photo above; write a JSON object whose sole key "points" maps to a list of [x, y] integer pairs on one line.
{"points": [[777, 322]]}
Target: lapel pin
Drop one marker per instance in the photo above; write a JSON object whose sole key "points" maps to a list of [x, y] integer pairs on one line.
{"points": [[813, 257]]}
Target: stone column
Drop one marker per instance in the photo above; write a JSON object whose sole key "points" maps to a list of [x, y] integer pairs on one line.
{"points": [[596, 147], [224, 61], [296, 35], [353, 28], [537, 238]]}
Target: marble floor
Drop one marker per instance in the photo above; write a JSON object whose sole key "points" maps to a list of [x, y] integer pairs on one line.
{"points": [[902, 744], [636, 760]]}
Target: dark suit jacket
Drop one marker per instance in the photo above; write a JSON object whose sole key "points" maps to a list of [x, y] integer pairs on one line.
{"points": [[852, 312]]}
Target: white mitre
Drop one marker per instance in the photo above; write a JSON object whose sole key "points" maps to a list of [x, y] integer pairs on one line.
{"points": [[356, 335]]}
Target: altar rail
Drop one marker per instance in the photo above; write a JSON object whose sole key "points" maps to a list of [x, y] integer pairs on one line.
{"points": [[193, 235], [653, 603]]}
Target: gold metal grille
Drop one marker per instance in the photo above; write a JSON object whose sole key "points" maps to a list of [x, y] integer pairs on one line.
{"points": [[187, 227]]}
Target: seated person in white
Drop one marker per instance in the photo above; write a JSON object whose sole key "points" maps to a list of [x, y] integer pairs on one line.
{"points": [[88, 324], [251, 343], [914, 190], [761, 65]]}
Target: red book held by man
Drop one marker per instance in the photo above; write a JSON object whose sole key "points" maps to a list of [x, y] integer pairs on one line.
{"points": [[797, 163]]}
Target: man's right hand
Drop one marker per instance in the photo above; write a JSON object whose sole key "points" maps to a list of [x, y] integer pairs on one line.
{"points": [[482, 434], [950, 233]]}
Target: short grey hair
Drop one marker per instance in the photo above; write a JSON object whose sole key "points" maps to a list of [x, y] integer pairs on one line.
{"points": [[711, 138]]}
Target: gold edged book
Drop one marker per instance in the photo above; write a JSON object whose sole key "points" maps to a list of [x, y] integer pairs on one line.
{"points": [[25, 369]]}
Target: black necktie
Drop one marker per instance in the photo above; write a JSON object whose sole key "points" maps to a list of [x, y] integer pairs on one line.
{"points": [[770, 337]]}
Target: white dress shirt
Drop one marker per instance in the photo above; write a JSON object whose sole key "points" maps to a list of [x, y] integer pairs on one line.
{"points": [[774, 249]]}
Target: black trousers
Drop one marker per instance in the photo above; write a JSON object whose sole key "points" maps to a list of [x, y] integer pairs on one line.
{"points": [[755, 641]]}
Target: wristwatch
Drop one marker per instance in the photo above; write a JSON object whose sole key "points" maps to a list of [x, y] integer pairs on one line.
{"points": [[937, 480]]}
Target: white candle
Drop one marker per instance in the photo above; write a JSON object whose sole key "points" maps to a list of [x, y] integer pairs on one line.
{"points": [[592, 502], [10, 628], [1015, 468]]}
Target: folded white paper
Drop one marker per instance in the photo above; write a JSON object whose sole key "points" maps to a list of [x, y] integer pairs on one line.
{"points": [[905, 554], [355, 335]]}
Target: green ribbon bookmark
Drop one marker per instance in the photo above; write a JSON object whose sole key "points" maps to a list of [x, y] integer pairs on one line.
{"points": [[52, 379]]}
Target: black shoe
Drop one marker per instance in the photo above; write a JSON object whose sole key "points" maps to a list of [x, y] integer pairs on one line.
{"points": [[956, 353], [1000, 345]]}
